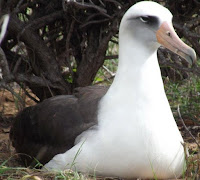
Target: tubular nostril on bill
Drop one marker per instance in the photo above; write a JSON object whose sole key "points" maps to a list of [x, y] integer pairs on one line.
{"points": [[168, 33]]}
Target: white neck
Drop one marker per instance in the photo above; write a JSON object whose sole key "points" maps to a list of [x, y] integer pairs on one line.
{"points": [[138, 82], [138, 70]]}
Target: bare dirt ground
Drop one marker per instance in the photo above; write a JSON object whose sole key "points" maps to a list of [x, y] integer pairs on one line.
{"points": [[8, 109]]}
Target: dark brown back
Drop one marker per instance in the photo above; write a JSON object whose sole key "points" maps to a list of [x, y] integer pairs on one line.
{"points": [[50, 127]]}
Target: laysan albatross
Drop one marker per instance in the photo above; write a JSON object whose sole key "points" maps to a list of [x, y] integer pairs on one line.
{"points": [[128, 131]]}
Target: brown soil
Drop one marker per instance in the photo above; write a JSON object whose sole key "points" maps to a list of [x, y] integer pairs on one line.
{"points": [[9, 107]]}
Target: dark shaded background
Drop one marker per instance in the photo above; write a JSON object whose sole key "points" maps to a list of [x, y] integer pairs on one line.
{"points": [[53, 46]]}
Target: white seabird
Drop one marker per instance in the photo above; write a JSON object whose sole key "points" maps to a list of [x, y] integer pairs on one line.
{"points": [[135, 135]]}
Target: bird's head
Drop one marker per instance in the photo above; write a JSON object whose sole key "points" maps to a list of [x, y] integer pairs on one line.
{"points": [[150, 24]]}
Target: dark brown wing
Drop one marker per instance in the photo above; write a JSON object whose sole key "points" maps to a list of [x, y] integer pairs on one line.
{"points": [[50, 127]]}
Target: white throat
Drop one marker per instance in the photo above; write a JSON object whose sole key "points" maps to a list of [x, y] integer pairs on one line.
{"points": [[138, 84]]}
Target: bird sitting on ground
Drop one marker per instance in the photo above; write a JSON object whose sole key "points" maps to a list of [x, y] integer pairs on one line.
{"points": [[126, 131]]}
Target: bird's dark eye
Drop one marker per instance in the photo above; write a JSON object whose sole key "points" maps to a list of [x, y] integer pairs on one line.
{"points": [[149, 20], [144, 19]]}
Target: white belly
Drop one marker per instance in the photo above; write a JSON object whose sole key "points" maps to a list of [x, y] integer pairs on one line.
{"points": [[125, 154], [129, 144]]}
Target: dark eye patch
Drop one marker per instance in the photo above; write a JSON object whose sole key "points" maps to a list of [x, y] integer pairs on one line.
{"points": [[150, 20], [144, 19]]}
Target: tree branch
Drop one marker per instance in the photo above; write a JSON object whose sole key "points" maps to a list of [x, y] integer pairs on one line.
{"points": [[69, 35], [4, 65], [186, 128], [43, 21], [86, 6], [111, 57], [44, 56]]}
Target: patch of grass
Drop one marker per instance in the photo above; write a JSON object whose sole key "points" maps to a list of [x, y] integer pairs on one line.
{"points": [[106, 73], [186, 94], [193, 167], [14, 173]]}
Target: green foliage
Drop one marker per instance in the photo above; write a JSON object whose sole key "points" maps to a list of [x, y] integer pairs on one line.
{"points": [[13, 173], [186, 94], [107, 71]]}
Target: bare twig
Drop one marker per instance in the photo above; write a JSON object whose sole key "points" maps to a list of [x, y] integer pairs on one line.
{"points": [[194, 70], [19, 4], [9, 88], [111, 57], [110, 72], [28, 94], [4, 64], [45, 57], [47, 85], [106, 80], [67, 47], [25, 78], [91, 2], [197, 2], [165, 61], [35, 80], [17, 64], [41, 22], [186, 31], [117, 4], [86, 6], [191, 37], [93, 22], [114, 41], [186, 128], [102, 3], [92, 16]]}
